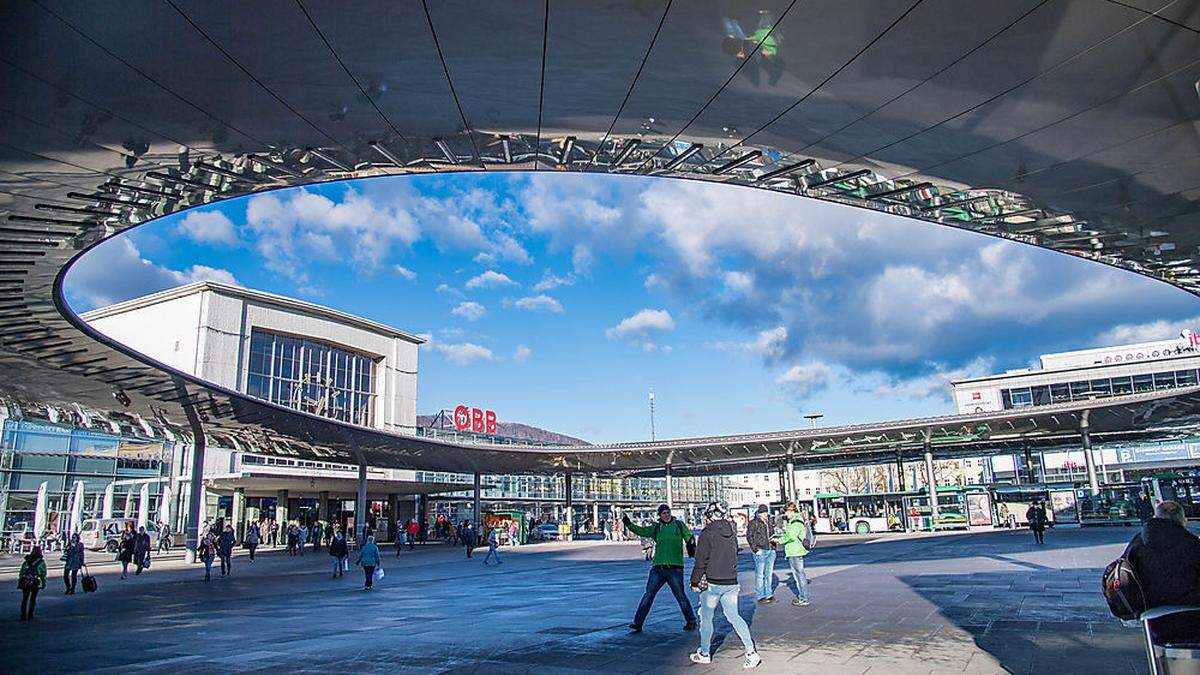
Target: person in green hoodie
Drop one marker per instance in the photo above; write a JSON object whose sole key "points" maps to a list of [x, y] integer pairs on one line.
{"points": [[669, 536], [795, 533]]}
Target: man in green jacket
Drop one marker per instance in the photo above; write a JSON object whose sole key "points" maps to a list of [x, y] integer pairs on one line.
{"points": [[795, 532], [669, 536]]}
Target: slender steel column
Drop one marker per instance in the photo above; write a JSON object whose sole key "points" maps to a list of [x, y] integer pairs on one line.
{"points": [[476, 510], [930, 482], [900, 469], [670, 491], [790, 495], [195, 493], [360, 506], [570, 517], [1093, 483]]}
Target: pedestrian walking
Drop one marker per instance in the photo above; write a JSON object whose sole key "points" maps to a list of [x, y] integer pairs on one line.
{"points": [[666, 567], [493, 540], [369, 558], [302, 538], [30, 579], [72, 558], [293, 537], [316, 536], [253, 538], [338, 551], [1143, 507], [794, 540], [141, 550], [125, 549], [273, 533], [164, 537], [225, 550], [399, 543], [468, 537], [206, 550], [714, 577], [762, 547], [1037, 519], [413, 530]]}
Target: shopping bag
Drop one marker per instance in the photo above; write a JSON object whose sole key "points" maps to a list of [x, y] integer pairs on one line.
{"points": [[89, 582], [378, 573], [345, 565]]}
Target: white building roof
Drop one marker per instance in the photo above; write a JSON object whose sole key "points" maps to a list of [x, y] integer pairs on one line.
{"points": [[250, 294]]}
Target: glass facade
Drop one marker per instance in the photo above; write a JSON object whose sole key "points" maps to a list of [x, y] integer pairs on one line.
{"points": [[311, 376], [32, 453], [588, 488], [1107, 387]]}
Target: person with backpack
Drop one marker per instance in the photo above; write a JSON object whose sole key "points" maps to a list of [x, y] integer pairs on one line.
{"points": [[669, 536], [796, 539], [72, 558], [369, 558], [206, 550], [31, 579], [225, 550], [1165, 558], [762, 547], [338, 550], [1037, 519], [714, 578]]}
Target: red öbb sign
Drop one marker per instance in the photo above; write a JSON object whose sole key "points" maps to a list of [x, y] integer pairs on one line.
{"points": [[474, 419]]}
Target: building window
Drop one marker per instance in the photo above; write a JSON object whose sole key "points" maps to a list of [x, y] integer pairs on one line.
{"points": [[311, 376]]}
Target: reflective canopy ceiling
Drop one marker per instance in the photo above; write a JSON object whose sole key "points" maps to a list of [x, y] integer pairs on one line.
{"points": [[1064, 124]]}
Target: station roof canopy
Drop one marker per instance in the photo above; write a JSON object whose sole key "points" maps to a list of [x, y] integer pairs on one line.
{"points": [[1065, 124]]}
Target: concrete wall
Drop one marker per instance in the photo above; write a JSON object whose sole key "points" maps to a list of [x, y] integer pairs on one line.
{"points": [[167, 331]]}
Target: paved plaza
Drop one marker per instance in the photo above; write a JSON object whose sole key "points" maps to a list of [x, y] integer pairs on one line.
{"points": [[988, 602]]}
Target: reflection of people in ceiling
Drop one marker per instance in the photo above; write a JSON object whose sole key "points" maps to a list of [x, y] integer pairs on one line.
{"points": [[760, 49]]}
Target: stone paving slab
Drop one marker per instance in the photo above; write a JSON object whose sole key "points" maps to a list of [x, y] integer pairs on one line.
{"points": [[988, 602]]}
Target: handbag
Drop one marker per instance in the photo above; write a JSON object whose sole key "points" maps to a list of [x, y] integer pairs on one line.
{"points": [[89, 581], [345, 565], [378, 573]]}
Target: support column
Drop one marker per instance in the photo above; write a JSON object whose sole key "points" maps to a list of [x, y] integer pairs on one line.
{"points": [[570, 510], [790, 469], [475, 506], [323, 507], [196, 483], [239, 513], [422, 516], [1085, 436], [360, 507], [595, 516], [931, 483], [900, 469], [670, 489], [281, 513]]}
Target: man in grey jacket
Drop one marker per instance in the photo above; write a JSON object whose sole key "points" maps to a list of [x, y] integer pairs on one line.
{"points": [[715, 578]]}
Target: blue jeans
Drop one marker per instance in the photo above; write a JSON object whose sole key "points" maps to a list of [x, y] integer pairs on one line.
{"points": [[764, 573], [672, 577], [727, 596], [799, 580], [492, 552]]}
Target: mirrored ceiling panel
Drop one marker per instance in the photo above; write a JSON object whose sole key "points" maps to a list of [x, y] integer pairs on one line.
{"points": [[52, 51], [1053, 34]]}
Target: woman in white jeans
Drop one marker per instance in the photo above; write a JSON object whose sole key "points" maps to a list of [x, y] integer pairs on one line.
{"points": [[715, 578]]}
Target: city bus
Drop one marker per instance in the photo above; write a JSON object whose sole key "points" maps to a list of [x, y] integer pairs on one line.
{"points": [[952, 509], [858, 513], [1011, 502], [1182, 487]]}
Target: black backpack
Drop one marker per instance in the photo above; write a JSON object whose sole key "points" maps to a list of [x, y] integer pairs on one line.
{"points": [[1122, 590], [689, 545], [28, 580]]}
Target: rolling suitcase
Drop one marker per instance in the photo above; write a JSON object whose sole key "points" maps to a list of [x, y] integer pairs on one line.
{"points": [[89, 582]]}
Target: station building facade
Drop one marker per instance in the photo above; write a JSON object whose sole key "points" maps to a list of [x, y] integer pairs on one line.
{"points": [[295, 354]]}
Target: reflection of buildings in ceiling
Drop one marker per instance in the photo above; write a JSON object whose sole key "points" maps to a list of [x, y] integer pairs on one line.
{"points": [[1047, 123]]}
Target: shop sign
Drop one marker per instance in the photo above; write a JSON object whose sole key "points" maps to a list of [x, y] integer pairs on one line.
{"points": [[1160, 452], [474, 419]]}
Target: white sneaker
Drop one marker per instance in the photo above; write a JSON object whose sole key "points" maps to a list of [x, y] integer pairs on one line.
{"points": [[752, 661], [697, 657]]}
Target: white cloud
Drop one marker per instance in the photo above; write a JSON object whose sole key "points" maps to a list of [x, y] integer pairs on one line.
{"points": [[522, 353], [539, 303], [490, 279], [404, 272], [802, 381], [642, 326], [550, 282], [738, 282], [463, 353], [116, 271], [935, 384], [447, 289], [1150, 331], [292, 228], [768, 344], [471, 311], [208, 227]]}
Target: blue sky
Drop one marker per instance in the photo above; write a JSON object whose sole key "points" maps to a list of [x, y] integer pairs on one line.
{"points": [[560, 299]]}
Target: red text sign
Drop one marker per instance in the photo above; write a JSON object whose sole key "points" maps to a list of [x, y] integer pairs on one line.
{"points": [[474, 419]]}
